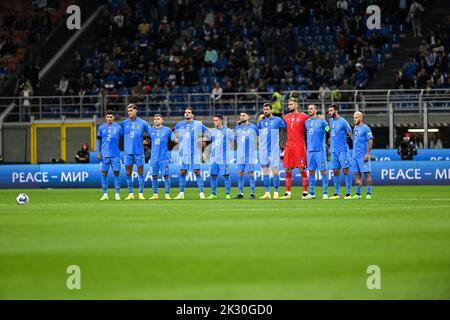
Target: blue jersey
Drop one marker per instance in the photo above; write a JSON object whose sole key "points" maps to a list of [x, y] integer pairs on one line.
{"points": [[108, 140], [189, 134], [361, 136], [246, 137], [315, 132], [338, 134], [222, 143], [133, 132], [269, 136], [160, 139]]}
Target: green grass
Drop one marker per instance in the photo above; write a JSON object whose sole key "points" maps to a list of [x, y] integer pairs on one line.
{"points": [[226, 249]]}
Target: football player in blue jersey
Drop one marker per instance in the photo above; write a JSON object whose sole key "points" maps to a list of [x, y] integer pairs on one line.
{"points": [[269, 149], [362, 145], [133, 131], [316, 129], [190, 133], [247, 141], [340, 152], [222, 143], [108, 153], [159, 160]]}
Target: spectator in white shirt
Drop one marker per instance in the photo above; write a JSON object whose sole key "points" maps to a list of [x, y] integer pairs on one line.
{"points": [[325, 92], [435, 142], [216, 93], [63, 84], [342, 5], [338, 72]]}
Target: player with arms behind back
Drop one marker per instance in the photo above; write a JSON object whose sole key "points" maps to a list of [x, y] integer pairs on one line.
{"points": [[108, 153], [247, 140], [133, 131], [269, 149], [316, 129], [340, 152], [362, 145], [222, 143], [159, 158], [295, 150], [190, 135]]}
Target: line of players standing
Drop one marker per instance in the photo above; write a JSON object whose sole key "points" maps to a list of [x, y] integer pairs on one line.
{"points": [[252, 140]]}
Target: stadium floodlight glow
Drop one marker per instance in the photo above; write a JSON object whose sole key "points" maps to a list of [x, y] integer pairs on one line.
{"points": [[422, 130]]}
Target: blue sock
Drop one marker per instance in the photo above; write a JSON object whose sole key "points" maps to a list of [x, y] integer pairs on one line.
{"points": [[130, 184], [348, 183], [117, 183], [241, 184], [369, 189], [312, 183], [252, 184], [337, 184], [325, 183], [276, 183], [200, 183], [214, 185], [167, 185], [358, 189], [155, 185], [182, 182], [105, 184], [141, 183], [267, 183], [227, 184]]}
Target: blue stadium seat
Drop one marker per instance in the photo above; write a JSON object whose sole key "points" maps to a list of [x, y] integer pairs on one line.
{"points": [[207, 89], [387, 48], [262, 60], [305, 31], [308, 40], [395, 38], [176, 89], [196, 89]]}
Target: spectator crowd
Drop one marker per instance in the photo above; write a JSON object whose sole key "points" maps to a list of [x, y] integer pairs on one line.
{"points": [[429, 67], [217, 47]]}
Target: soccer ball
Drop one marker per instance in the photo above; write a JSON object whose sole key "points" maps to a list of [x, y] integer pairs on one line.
{"points": [[22, 199]]}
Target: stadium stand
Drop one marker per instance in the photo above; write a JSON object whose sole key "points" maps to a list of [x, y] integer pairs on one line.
{"points": [[429, 68], [187, 47], [24, 27]]}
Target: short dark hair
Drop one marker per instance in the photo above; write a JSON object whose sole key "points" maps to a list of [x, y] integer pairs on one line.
{"points": [[158, 115], [334, 106], [189, 108], [218, 116], [132, 105], [109, 112], [267, 104]]}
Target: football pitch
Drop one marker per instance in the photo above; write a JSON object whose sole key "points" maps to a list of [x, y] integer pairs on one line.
{"points": [[226, 249]]}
